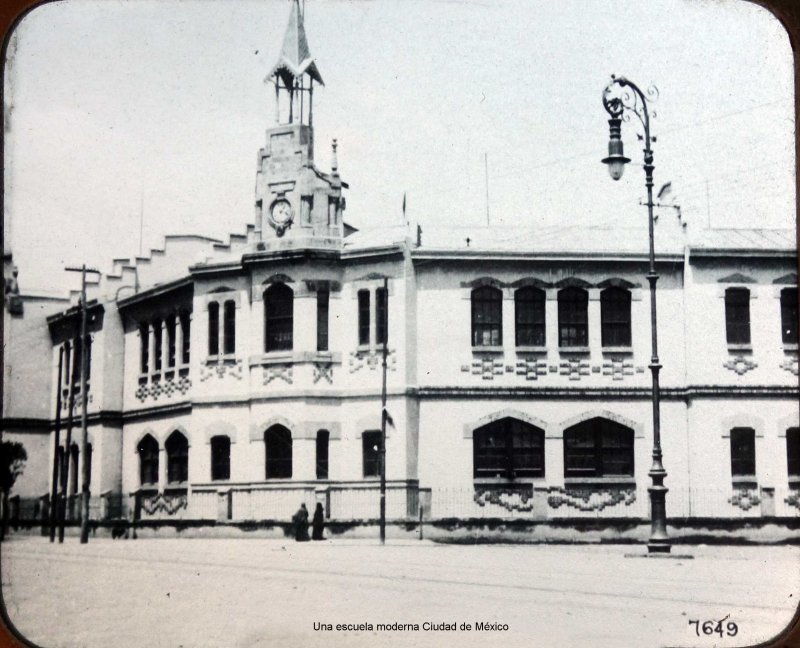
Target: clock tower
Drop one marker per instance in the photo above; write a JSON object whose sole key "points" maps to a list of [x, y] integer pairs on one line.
{"points": [[296, 204]]}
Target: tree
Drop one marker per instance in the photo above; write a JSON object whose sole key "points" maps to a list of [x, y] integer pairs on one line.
{"points": [[12, 463]]}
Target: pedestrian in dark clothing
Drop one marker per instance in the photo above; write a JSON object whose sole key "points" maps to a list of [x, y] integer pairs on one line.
{"points": [[318, 523], [300, 521]]}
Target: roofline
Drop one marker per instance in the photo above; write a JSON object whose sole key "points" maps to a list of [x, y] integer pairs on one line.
{"points": [[155, 291], [744, 252], [500, 255]]}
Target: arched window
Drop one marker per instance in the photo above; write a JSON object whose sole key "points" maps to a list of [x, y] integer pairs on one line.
{"points": [[323, 438], [737, 315], [371, 453], [615, 317], [177, 448], [598, 448], [529, 316], [793, 452], [381, 316], [220, 457], [144, 348], [171, 341], [573, 317], [278, 317], [186, 336], [743, 452], [278, 446], [487, 316], [229, 328], [157, 342], [213, 328], [789, 315], [363, 317], [323, 303], [508, 448], [148, 460]]}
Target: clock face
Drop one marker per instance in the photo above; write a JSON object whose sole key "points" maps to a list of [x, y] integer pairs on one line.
{"points": [[281, 212]]}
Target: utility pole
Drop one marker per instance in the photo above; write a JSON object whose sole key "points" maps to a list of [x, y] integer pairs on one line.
{"points": [[62, 505], [84, 403], [385, 324], [56, 444]]}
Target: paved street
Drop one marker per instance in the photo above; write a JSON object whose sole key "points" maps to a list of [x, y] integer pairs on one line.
{"points": [[252, 592]]}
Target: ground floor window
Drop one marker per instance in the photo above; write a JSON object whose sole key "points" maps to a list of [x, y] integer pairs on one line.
{"points": [[220, 457], [148, 460], [598, 448], [508, 448], [323, 436], [371, 453], [177, 447], [793, 451], [278, 446]]}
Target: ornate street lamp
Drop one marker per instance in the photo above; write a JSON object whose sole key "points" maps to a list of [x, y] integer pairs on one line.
{"points": [[622, 96]]}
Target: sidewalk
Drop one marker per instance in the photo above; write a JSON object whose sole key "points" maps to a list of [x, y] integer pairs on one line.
{"points": [[255, 592]]}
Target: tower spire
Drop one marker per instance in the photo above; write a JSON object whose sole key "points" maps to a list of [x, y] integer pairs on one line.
{"points": [[289, 73]]}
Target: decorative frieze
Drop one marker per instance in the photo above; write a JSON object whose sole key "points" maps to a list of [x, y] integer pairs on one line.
{"points": [[277, 372], [590, 498], [165, 387], [487, 367], [168, 503], [793, 499], [740, 364], [323, 371], [618, 368], [745, 498], [790, 364], [574, 368], [234, 369], [512, 498], [531, 368], [372, 359]]}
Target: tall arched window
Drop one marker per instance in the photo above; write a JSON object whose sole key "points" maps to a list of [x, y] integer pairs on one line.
{"points": [[148, 460], [573, 317], [213, 328], [278, 317], [529, 316], [323, 438], [743, 452], [220, 457], [177, 448], [793, 452], [487, 316], [508, 448], [598, 447], [615, 317], [737, 315], [229, 328], [789, 315], [278, 447]]}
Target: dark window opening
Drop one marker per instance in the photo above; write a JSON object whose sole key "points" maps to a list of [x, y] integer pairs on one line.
{"points": [[171, 341], [157, 345], [213, 328], [229, 328], [573, 317], [363, 317], [737, 315], [144, 348], [278, 317], [598, 448], [529, 309], [323, 439], [148, 460], [487, 317], [743, 452], [793, 451], [508, 448], [220, 457], [371, 453], [185, 337], [74, 453], [323, 303], [177, 448], [615, 316], [789, 315], [278, 446], [381, 316]]}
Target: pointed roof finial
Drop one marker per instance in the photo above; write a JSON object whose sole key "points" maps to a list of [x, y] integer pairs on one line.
{"points": [[295, 57], [334, 158]]}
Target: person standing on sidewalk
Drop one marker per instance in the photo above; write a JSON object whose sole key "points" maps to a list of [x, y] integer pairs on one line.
{"points": [[300, 520], [318, 523]]}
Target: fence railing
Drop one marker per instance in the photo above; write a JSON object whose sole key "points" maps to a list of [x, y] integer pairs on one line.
{"points": [[359, 502]]}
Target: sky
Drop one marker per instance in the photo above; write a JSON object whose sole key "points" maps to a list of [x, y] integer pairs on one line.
{"points": [[123, 111]]}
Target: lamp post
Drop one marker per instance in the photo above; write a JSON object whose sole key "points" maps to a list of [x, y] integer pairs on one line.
{"points": [[619, 96]]}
